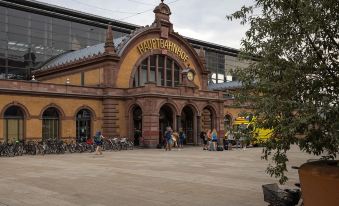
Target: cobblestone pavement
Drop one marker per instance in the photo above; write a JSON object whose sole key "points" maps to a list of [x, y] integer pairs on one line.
{"points": [[141, 177]]}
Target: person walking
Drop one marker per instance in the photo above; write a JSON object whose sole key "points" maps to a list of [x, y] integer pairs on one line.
{"points": [[182, 138], [175, 139], [98, 139], [168, 138], [203, 136], [209, 140], [230, 138], [214, 139]]}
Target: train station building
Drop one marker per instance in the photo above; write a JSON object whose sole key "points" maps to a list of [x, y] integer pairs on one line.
{"points": [[147, 80]]}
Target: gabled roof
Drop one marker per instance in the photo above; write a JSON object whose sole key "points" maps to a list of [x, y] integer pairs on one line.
{"points": [[225, 85], [73, 56]]}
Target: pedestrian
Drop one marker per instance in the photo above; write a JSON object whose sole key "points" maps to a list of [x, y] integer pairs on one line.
{"points": [[209, 139], [225, 140], [203, 136], [175, 139], [214, 139], [182, 138], [98, 139], [242, 139], [168, 138], [230, 138]]}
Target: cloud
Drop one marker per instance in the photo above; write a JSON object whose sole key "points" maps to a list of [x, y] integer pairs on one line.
{"points": [[199, 19]]}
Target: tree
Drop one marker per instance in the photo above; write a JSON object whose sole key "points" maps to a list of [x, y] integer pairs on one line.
{"points": [[293, 85]]}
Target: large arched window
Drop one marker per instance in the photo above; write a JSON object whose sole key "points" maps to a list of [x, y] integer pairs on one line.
{"points": [[83, 125], [50, 123], [157, 68], [14, 124]]}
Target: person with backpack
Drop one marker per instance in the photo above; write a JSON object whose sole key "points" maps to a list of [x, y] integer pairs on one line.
{"points": [[182, 138], [98, 139]]}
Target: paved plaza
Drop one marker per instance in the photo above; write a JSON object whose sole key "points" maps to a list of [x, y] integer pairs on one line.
{"points": [[140, 177]]}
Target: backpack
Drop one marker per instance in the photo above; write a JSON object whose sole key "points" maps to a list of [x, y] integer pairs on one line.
{"points": [[183, 136], [97, 138], [168, 135]]}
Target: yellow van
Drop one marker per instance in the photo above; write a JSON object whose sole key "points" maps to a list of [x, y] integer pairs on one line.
{"points": [[259, 135]]}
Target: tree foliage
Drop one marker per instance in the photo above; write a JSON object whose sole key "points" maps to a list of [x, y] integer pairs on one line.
{"points": [[293, 85]]}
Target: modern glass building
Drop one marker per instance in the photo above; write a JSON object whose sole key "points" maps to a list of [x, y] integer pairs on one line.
{"points": [[32, 32]]}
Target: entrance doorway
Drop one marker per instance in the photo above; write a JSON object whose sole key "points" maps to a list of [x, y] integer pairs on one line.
{"points": [[137, 125], [165, 120], [187, 124], [207, 119]]}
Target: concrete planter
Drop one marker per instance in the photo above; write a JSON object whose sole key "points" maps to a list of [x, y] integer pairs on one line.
{"points": [[320, 183]]}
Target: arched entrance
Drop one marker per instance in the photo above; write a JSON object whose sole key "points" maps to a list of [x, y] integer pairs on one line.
{"points": [[137, 124], [208, 118], [187, 124], [165, 120]]}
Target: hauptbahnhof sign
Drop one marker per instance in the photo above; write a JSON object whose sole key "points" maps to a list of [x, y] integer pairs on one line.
{"points": [[157, 43]]}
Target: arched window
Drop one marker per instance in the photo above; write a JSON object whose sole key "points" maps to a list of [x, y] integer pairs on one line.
{"points": [[50, 123], [157, 68], [14, 124], [83, 125]]}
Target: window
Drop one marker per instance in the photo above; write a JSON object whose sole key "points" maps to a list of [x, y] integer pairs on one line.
{"points": [[50, 124], [14, 124], [152, 68], [215, 62], [162, 70], [160, 78], [83, 125]]}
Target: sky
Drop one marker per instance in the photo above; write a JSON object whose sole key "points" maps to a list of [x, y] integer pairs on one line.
{"points": [[200, 19]]}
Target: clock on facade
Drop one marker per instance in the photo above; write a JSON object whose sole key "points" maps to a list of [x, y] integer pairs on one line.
{"points": [[190, 76]]}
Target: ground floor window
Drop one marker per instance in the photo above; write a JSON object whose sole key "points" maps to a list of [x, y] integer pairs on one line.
{"points": [[50, 124], [83, 125], [14, 124]]}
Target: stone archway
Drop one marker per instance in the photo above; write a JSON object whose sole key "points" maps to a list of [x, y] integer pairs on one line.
{"points": [[166, 119], [188, 123], [208, 118]]}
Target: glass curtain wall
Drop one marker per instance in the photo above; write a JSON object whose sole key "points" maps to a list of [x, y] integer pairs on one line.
{"points": [[28, 39], [215, 62]]}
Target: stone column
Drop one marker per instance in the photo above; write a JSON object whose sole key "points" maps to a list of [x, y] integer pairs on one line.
{"points": [[178, 122], [150, 130], [198, 129], [110, 124]]}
